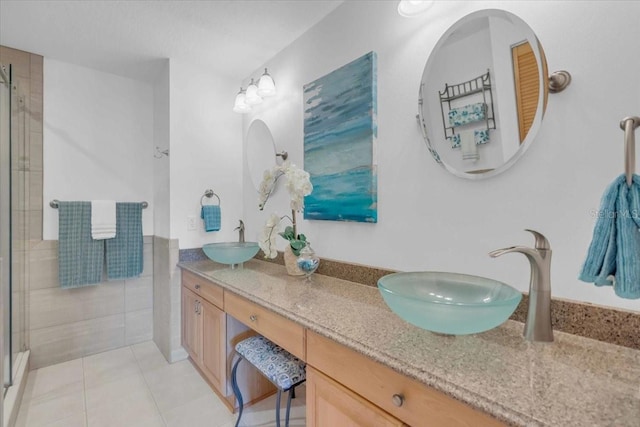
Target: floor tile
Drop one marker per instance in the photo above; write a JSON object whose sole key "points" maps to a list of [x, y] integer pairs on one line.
{"points": [[109, 366], [135, 386], [52, 407], [149, 356], [113, 392], [175, 385], [206, 411], [134, 407], [76, 420], [52, 378]]}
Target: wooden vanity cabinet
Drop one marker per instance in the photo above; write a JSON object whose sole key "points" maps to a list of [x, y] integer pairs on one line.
{"points": [[379, 388], [204, 332], [331, 404], [209, 336]]}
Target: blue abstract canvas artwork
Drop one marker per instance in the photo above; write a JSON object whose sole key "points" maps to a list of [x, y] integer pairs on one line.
{"points": [[340, 133]]}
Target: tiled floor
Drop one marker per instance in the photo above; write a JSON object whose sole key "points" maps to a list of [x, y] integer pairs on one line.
{"points": [[134, 386]]}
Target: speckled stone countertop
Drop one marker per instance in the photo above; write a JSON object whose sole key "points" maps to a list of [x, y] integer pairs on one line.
{"points": [[573, 381]]}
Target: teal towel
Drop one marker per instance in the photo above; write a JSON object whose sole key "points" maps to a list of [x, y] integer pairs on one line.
{"points": [[468, 114], [124, 252], [613, 258], [211, 216], [80, 258]]}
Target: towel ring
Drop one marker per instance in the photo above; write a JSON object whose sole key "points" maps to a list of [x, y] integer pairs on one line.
{"points": [[629, 124], [209, 194]]}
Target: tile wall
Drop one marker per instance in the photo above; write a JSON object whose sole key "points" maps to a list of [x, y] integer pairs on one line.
{"points": [[167, 319], [65, 324]]}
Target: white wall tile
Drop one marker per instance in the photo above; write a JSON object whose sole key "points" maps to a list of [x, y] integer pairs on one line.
{"points": [[66, 342], [138, 326]]}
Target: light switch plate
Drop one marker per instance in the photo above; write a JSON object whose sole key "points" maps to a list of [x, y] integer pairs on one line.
{"points": [[192, 222]]}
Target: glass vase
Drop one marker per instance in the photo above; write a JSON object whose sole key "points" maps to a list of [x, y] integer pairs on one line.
{"points": [[308, 261]]}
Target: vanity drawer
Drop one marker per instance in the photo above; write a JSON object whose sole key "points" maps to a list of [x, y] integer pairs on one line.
{"points": [[404, 398], [204, 288], [284, 332]]}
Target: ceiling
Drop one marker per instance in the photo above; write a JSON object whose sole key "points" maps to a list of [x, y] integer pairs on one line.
{"points": [[130, 38]]}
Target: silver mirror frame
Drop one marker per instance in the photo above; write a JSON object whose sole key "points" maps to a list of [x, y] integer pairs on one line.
{"points": [[535, 127]]}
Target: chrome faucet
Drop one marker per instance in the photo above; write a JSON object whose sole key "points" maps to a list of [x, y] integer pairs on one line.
{"points": [[538, 324], [240, 232]]}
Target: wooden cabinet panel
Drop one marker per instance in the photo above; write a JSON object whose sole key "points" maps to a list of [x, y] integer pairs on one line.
{"points": [[204, 288], [419, 405], [329, 404], [281, 331], [213, 363], [191, 327]]}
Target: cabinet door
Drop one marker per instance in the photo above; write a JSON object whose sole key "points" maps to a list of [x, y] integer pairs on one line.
{"points": [[329, 404], [191, 326], [214, 344]]}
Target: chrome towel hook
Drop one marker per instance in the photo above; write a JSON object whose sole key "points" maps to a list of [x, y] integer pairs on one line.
{"points": [[629, 125]]}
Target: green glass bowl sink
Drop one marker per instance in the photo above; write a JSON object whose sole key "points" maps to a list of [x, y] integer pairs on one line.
{"points": [[449, 303], [231, 252]]}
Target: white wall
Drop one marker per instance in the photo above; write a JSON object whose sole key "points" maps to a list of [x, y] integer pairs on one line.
{"points": [[430, 220], [206, 152], [161, 137], [98, 139]]}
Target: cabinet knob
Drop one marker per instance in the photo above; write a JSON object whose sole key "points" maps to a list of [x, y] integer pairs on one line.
{"points": [[253, 317], [197, 286], [397, 399]]}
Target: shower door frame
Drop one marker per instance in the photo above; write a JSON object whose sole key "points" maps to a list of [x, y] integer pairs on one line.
{"points": [[6, 375]]}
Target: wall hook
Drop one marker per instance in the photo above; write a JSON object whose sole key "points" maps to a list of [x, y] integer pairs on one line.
{"points": [[282, 154], [159, 153]]}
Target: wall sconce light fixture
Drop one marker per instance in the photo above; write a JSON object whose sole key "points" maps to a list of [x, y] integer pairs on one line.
{"points": [[245, 99], [411, 8]]}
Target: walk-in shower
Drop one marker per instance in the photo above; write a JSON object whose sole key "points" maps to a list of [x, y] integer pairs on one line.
{"points": [[14, 237]]}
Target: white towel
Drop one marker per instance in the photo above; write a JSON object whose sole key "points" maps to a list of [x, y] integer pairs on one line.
{"points": [[103, 219], [468, 145]]}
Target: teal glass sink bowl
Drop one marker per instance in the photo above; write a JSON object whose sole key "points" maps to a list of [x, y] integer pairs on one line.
{"points": [[231, 252], [449, 303]]}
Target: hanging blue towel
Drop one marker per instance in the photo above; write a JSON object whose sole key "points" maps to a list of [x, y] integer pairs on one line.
{"points": [[211, 216], [80, 258], [124, 252], [614, 254]]}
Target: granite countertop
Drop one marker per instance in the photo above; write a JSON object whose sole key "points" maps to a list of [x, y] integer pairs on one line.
{"points": [[573, 381]]}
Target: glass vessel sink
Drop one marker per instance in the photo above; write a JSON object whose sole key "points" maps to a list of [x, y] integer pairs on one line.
{"points": [[231, 252], [449, 303]]}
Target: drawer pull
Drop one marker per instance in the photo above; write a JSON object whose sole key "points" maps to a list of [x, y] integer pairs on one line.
{"points": [[197, 286], [253, 317], [397, 400]]}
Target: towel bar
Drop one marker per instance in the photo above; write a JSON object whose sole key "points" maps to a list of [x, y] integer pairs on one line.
{"points": [[54, 204], [629, 124], [208, 194]]}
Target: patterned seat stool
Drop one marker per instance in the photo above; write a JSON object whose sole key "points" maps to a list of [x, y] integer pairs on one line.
{"points": [[280, 367]]}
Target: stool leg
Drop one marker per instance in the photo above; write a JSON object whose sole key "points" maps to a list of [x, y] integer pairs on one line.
{"points": [[292, 393], [278, 407], [236, 390]]}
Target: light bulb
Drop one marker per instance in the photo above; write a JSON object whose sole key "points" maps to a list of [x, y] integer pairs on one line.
{"points": [[252, 97], [410, 8], [240, 106], [266, 85]]}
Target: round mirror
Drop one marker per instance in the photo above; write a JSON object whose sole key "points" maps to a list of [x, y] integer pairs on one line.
{"points": [[483, 94], [261, 151]]}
